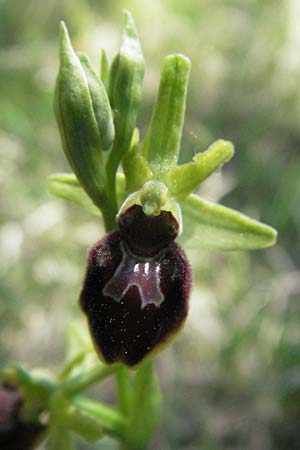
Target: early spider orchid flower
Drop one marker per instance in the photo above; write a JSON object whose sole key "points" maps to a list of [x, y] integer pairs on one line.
{"points": [[138, 279]]}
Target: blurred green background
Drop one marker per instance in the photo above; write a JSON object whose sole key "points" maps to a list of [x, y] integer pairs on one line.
{"points": [[231, 381]]}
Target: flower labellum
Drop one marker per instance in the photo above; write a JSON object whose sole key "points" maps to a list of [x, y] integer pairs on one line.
{"points": [[15, 434], [137, 286]]}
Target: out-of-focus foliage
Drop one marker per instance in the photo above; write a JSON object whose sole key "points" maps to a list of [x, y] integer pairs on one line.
{"points": [[232, 380]]}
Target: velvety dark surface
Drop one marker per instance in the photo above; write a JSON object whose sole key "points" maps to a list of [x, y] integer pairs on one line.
{"points": [[124, 331], [147, 235], [14, 433], [21, 437]]}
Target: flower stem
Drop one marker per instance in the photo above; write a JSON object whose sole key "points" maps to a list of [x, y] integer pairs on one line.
{"points": [[109, 212], [79, 383], [124, 390], [78, 358], [145, 408]]}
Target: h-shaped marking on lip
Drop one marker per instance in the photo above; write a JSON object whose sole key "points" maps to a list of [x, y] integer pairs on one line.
{"points": [[144, 273]]}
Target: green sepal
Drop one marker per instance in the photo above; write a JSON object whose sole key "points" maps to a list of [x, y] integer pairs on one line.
{"points": [[214, 226], [125, 91], [77, 123], [206, 224], [182, 180], [162, 142], [146, 408], [104, 69], [100, 102], [67, 415], [66, 186]]}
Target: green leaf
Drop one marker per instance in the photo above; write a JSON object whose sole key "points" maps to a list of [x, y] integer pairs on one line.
{"points": [[66, 186], [213, 226], [182, 180], [162, 142]]}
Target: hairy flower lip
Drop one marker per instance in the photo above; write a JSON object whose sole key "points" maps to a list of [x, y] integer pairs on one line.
{"points": [[136, 267], [124, 331]]}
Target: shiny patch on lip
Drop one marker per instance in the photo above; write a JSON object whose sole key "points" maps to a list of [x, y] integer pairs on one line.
{"points": [[144, 273]]}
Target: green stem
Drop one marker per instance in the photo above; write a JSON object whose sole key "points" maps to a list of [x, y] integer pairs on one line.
{"points": [[79, 383], [146, 408], [74, 362], [60, 438], [110, 210], [111, 170], [112, 422], [124, 390]]}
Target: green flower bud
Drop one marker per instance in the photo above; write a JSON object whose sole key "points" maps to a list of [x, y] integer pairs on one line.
{"points": [[104, 68], [125, 89], [101, 105], [125, 85], [77, 122]]}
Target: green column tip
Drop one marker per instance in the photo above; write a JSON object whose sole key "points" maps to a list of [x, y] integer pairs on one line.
{"points": [[154, 195]]}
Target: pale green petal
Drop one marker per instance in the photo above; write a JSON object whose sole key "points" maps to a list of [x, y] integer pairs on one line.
{"points": [[182, 180]]}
